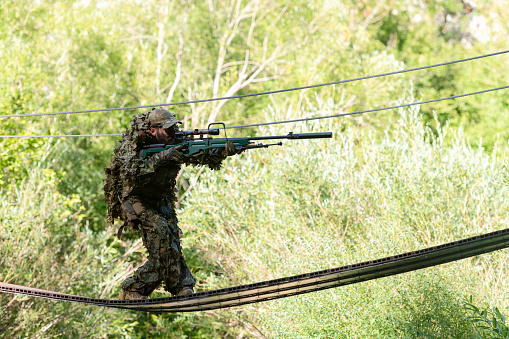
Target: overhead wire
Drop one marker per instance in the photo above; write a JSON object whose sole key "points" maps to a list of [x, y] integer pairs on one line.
{"points": [[260, 93], [368, 110], [290, 121], [60, 136]]}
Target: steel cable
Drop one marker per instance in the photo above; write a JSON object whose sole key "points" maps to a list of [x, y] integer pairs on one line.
{"points": [[60, 136], [288, 121], [257, 94], [368, 110]]}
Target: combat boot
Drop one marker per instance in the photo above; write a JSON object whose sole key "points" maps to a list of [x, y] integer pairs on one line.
{"points": [[186, 290], [130, 295]]}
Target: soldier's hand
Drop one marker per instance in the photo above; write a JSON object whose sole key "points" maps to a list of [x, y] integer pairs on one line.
{"points": [[178, 148], [173, 154], [177, 155], [217, 155]]}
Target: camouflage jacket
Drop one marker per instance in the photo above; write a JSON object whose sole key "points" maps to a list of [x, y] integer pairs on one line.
{"points": [[152, 179]]}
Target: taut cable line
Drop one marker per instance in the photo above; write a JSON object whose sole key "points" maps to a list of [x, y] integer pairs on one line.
{"points": [[369, 110], [258, 94], [60, 136], [288, 121]]}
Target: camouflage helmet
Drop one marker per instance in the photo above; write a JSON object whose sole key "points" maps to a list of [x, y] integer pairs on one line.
{"points": [[162, 118]]}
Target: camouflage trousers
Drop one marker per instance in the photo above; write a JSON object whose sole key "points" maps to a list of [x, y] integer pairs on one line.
{"points": [[161, 237]]}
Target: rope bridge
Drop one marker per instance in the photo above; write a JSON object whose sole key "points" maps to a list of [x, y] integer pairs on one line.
{"points": [[295, 285]]}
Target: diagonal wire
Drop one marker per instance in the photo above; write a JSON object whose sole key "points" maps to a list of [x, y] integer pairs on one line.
{"points": [[287, 121], [60, 136], [369, 110], [258, 94]]}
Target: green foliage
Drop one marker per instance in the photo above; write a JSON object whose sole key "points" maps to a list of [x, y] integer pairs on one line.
{"points": [[416, 305], [326, 203], [379, 195], [488, 322], [445, 31], [45, 243], [426, 308], [42, 243]]}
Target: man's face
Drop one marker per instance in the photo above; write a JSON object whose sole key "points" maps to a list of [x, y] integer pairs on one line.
{"points": [[164, 136]]}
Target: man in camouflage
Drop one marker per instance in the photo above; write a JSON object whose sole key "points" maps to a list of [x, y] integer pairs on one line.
{"points": [[141, 192]]}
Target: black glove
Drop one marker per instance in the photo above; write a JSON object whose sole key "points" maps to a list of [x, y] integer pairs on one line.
{"points": [[217, 155], [172, 154]]}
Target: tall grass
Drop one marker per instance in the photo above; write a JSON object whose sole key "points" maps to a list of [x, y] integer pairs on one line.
{"points": [[46, 242], [318, 204], [277, 212]]}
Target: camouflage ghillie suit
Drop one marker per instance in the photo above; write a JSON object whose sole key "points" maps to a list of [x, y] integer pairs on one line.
{"points": [[141, 192]]}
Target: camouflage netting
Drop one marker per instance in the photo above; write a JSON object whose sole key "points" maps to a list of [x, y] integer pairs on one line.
{"points": [[213, 158], [126, 166]]}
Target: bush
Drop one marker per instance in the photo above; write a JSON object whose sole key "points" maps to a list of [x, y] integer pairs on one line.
{"points": [[489, 322], [319, 204], [44, 245]]}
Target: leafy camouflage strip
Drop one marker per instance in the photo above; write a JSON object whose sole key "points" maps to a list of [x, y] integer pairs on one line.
{"points": [[161, 237], [124, 168]]}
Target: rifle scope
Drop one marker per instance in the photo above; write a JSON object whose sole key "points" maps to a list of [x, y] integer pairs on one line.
{"points": [[213, 131]]}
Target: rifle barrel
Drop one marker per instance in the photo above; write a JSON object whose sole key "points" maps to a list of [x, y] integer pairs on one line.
{"points": [[296, 136]]}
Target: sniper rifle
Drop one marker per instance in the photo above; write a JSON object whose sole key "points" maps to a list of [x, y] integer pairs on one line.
{"points": [[192, 145]]}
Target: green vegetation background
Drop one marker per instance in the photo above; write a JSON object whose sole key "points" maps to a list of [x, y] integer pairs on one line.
{"points": [[387, 183]]}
